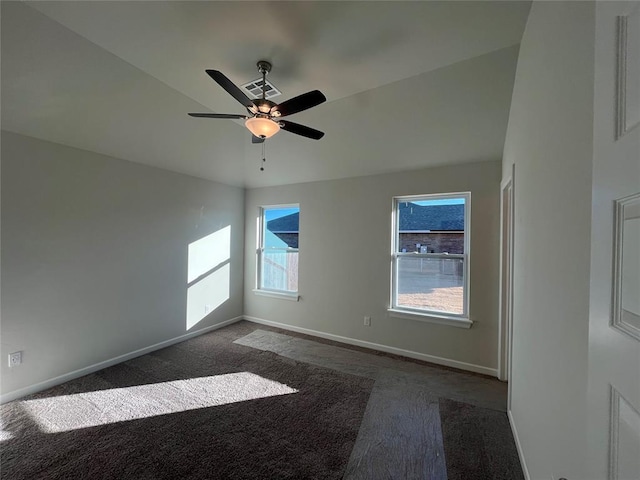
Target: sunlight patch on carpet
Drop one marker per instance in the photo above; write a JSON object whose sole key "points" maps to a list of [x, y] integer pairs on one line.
{"points": [[91, 409]]}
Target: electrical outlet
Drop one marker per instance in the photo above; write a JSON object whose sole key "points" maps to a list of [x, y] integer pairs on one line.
{"points": [[207, 309], [15, 359], [367, 321]]}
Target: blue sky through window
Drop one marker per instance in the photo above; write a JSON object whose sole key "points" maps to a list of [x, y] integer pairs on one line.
{"points": [[273, 213], [440, 201]]}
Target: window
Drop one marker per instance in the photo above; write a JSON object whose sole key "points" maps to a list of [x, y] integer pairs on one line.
{"points": [[278, 249], [430, 256]]}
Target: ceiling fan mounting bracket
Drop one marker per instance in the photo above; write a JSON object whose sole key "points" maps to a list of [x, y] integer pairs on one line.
{"points": [[264, 67]]}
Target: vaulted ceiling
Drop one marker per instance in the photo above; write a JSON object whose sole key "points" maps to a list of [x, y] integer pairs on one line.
{"points": [[409, 84]]}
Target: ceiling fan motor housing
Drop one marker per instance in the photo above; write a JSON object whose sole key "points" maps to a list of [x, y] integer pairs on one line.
{"points": [[262, 106]]}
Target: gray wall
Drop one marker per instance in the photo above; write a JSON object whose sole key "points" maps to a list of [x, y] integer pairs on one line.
{"points": [[345, 245], [550, 140], [94, 257]]}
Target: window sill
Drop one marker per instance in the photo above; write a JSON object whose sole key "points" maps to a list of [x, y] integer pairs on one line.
{"points": [[451, 321], [293, 296]]}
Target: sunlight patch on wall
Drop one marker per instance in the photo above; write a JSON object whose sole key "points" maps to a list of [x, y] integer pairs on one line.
{"points": [[208, 252], [204, 296], [92, 409], [208, 275]]}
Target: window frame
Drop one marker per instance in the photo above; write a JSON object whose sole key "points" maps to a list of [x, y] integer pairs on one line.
{"points": [[433, 316], [260, 249]]}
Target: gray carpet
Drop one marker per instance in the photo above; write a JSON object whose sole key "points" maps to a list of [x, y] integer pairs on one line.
{"points": [[477, 390], [478, 440], [255, 402], [125, 423]]}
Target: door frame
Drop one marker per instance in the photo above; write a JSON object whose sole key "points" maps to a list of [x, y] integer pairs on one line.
{"points": [[505, 325]]}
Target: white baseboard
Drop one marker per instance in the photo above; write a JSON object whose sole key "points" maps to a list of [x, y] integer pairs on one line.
{"points": [[10, 396], [525, 471], [447, 362], [38, 387]]}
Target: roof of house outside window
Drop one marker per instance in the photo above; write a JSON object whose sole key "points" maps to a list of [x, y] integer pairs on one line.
{"points": [[413, 217], [286, 224], [431, 217]]}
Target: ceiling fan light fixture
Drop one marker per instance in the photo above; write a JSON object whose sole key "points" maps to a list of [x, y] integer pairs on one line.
{"points": [[262, 127]]}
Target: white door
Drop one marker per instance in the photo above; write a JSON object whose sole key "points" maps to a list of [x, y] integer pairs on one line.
{"points": [[613, 414]]}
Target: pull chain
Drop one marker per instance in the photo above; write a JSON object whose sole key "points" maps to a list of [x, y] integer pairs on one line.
{"points": [[264, 159]]}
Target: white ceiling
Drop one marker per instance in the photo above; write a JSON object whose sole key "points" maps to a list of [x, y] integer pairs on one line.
{"points": [[409, 84]]}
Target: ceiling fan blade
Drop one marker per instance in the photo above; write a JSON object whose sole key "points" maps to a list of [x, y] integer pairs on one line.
{"points": [[301, 130], [216, 115], [230, 87], [255, 139], [300, 103]]}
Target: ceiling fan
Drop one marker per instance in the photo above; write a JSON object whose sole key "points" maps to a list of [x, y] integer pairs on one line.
{"points": [[264, 116]]}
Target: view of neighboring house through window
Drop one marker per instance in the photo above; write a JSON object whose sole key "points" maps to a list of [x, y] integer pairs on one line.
{"points": [[430, 254], [278, 249]]}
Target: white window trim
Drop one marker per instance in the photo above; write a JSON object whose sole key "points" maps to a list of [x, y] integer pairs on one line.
{"points": [[431, 316], [267, 292], [277, 294], [444, 319]]}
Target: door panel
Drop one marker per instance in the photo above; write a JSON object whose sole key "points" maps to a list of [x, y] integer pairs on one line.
{"points": [[614, 355]]}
